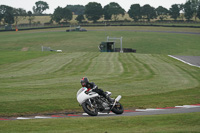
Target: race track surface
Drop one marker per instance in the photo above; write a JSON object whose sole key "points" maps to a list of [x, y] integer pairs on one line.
{"points": [[177, 32], [190, 60], [137, 112]]}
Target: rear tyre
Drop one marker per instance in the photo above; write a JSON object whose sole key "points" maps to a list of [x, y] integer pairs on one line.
{"points": [[118, 109], [89, 110]]}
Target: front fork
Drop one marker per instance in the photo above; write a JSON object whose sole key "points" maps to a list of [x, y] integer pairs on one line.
{"points": [[88, 101]]}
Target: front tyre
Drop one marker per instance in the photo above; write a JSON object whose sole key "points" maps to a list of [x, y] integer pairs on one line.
{"points": [[89, 110], [118, 109]]}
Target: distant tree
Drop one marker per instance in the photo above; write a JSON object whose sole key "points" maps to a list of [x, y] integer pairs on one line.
{"points": [[76, 9], [113, 9], [6, 14], [93, 11], [1, 17], [181, 8], [62, 14], [11, 15], [174, 11], [2, 12], [30, 17], [58, 14], [188, 10], [19, 14], [67, 14], [198, 12], [40, 7], [162, 12], [9, 18], [148, 12], [135, 12], [107, 15], [80, 18], [194, 5]]}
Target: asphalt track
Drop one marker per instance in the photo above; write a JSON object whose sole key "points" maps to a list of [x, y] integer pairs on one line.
{"points": [[177, 32], [136, 112], [158, 111], [190, 60]]}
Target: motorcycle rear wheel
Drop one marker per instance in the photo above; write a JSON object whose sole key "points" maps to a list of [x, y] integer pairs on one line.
{"points": [[89, 110], [118, 109]]}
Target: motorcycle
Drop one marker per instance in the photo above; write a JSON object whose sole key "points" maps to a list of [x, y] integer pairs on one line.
{"points": [[92, 103]]}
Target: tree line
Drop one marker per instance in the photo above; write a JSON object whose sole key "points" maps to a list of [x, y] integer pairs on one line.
{"points": [[93, 11]]}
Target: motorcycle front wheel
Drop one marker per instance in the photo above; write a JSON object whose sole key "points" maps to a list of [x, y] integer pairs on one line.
{"points": [[118, 109], [89, 110]]}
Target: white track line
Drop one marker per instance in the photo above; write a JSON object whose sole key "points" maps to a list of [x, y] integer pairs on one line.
{"points": [[150, 109], [140, 110], [23, 118], [188, 106], [153, 109], [42, 117], [183, 61]]}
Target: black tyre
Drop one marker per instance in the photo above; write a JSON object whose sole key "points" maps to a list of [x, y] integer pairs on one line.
{"points": [[118, 109], [89, 110]]}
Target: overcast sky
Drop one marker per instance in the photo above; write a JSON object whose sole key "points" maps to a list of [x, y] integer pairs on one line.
{"points": [[28, 4]]}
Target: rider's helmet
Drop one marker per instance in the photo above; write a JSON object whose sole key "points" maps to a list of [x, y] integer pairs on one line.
{"points": [[84, 81]]}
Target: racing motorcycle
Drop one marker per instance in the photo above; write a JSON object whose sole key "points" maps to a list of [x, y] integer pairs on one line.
{"points": [[92, 102]]}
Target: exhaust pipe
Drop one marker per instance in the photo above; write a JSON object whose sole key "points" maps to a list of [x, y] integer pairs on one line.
{"points": [[118, 98]]}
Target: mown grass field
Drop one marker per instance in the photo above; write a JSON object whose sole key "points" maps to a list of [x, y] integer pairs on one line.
{"points": [[44, 82]]}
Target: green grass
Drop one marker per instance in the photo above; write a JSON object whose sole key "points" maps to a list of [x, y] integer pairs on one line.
{"points": [[143, 42], [43, 82], [50, 83], [183, 123], [11, 57]]}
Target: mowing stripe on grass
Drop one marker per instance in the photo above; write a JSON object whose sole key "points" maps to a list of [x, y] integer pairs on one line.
{"points": [[50, 83]]}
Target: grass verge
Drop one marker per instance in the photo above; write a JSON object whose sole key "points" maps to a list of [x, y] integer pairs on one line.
{"points": [[156, 124]]}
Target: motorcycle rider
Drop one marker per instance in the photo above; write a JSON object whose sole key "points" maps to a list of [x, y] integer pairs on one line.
{"points": [[91, 86]]}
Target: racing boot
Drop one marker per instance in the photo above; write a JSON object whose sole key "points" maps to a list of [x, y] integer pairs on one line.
{"points": [[111, 100]]}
